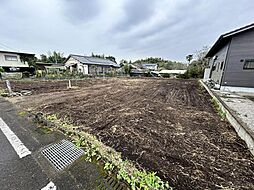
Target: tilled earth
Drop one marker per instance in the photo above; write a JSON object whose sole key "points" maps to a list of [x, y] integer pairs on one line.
{"points": [[167, 126]]}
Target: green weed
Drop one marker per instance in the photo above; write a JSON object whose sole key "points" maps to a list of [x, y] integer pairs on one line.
{"points": [[22, 113], [52, 117], [45, 130], [218, 108], [108, 167], [96, 150]]}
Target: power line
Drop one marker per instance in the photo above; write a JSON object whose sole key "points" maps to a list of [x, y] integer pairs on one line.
{"points": [[5, 46]]}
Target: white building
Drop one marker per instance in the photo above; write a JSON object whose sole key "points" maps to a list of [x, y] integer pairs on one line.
{"points": [[150, 66], [89, 65]]}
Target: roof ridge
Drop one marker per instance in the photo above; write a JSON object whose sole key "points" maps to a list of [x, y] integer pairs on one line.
{"points": [[16, 52], [86, 56], [249, 26], [227, 36], [77, 55]]}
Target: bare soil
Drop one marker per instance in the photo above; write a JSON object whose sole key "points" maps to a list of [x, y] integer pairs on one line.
{"points": [[167, 126]]}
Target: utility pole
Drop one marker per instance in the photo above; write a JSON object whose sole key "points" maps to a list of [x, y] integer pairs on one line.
{"points": [[55, 57]]}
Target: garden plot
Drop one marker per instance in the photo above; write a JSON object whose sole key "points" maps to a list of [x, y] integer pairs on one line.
{"points": [[167, 126]]}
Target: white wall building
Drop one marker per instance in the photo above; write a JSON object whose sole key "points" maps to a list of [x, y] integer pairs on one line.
{"points": [[89, 65]]}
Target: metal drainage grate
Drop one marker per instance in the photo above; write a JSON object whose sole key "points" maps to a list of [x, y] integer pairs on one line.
{"points": [[109, 183], [62, 154]]}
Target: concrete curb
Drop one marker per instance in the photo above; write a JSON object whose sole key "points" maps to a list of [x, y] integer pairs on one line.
{"points": [[239, 128]]}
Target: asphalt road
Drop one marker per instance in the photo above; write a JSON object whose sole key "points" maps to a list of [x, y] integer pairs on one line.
{"points": [[18, 173], [33, 171]]}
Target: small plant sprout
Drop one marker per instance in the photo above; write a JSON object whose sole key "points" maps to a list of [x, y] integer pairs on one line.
{"points": [[219, 109], [108, 166]]}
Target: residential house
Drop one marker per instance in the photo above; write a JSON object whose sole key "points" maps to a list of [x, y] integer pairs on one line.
{"points": [[168, 73], [231, 60], [48, 68], [150, 66], [136, 72], [90, 65], [12, 61]]}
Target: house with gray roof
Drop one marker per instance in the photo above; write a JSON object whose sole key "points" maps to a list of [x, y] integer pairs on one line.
{"points": [[89, 65], [231, 60]]}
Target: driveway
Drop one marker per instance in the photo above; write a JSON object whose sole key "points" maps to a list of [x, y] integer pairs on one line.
{"points": [[241, 106]]}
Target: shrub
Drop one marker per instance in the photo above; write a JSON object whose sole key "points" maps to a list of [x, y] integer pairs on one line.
{"points": [[25, 74], [195, 70], [127, 69], [1, 71]]}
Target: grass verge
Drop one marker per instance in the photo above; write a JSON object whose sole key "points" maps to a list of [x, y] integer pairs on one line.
{"points": [[112, 161], [218, 108]]}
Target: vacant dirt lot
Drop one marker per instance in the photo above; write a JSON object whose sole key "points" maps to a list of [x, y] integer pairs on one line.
{"points": [[168, 126]]}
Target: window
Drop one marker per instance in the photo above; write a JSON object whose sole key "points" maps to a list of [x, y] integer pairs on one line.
{"points": [[11, 57], [248, 64], [221, 65], [14, 69]]}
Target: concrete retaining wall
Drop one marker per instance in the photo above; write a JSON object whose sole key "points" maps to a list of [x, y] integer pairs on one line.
{"points": [[239, 128], [16, 75]]}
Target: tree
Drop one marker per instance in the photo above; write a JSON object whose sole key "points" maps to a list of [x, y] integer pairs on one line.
{"points": [[127, 68], [43, 58], [189, 58], [162, 63], [30, 59], [200, 55], [196, 67], [1, 71], [52, 57], [55, 57], [123, 62], [98, 55], [111, 58]]}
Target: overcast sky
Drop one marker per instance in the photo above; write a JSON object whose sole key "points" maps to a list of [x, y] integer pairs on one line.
{"points": [[126, 29]]}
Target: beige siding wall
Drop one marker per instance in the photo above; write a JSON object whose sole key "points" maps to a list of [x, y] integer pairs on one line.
{"points": [[5, 63], [79, 67], [71, 61]]}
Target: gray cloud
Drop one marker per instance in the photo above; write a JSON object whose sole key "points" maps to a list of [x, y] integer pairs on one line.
{"points": [[81, 11], [135, 12], [193, 25], [169, 28], [124, 28]]}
